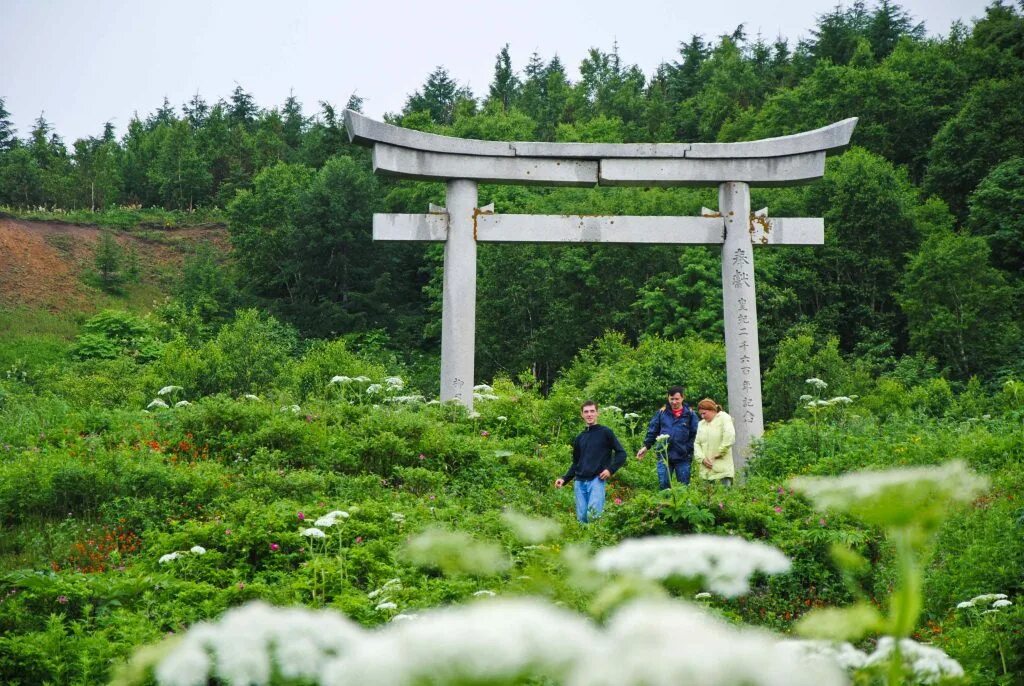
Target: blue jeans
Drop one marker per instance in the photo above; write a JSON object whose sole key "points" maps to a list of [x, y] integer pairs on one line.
{"points": [[681, 470], [589, 499]]}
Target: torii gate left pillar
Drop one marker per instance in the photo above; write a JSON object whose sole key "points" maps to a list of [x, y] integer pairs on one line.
{"points": [[458, 304], [733, 167]]}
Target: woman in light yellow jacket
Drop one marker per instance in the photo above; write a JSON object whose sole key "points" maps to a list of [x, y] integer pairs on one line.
{"points": [[712, 449]]}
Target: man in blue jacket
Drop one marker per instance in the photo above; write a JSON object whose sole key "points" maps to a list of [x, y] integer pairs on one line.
{"points": [[596, 455], [679, 422]]}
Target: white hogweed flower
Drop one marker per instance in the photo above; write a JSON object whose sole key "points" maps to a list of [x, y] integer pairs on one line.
{"points": [[723, 564], [493, 641], [313, 532], [896, 497], [641, 645], [168, 389], [197, 550], [247, 643], [926, 664]]}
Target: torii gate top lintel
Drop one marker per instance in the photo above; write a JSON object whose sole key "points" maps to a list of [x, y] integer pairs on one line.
{"points": [[784, 160]]}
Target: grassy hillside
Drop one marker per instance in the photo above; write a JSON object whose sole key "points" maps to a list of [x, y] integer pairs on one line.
{"points": [[99, 484]]}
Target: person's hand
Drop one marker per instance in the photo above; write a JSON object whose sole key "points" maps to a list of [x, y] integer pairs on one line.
{"points": [[707, 462], [604, 475], [559, 483], [640, 453]]}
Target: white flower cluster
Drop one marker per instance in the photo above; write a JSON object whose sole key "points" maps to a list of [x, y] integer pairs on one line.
{"points": [[394, 382], [817, 383], [491, 641], [838, 400], [390, 585], [330, 519], [953, 480], [484, 396], [843, 654], [496, 641], [313, 532], [724, 564], [340, 380], [168, 389], [171, 557], [925, 664], [631, 416], [374, 388], [996, 600], [407, 399], [245, 645], [642, 645], [612, 408]]}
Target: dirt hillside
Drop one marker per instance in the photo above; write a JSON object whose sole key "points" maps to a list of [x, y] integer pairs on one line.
{"points": [[42, 264]]}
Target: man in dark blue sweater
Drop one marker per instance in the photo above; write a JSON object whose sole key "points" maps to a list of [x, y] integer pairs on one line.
{"points": [[678, 424], [596, 455]]}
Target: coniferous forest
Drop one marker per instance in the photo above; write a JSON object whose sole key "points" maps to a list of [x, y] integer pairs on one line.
{"points": [[231, 402]]}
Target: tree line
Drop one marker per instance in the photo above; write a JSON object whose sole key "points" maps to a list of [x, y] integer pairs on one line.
{"points": [[923, 264]]}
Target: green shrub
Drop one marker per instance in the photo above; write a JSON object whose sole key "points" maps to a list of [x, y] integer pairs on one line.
{"points": [[247, 355], [116, 333], [635, 379], [323, 361]]}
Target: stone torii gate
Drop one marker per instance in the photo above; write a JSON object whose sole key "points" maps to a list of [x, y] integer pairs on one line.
{"points": [[734, 167]]}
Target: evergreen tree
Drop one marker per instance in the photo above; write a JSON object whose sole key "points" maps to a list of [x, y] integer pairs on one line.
{"points": [[180, 172], [21, 179], [438, 98], [8, 138], [684, 76], [196, 110], [887, 25], [355, 103], [97, 170], [138, 155], [838, 31], [293, 124], [243, 110], [532, 93], [108, 258], [505, 86], [164, 116]]}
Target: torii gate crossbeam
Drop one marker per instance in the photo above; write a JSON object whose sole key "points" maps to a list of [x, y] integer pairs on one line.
{"points": [[733, 167]]}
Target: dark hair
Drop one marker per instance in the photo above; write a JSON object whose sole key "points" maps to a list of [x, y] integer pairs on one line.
{"points": [[672, 390], [587, 403]]}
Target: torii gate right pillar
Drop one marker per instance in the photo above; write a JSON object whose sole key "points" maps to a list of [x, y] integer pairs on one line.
{"points": [[739, 307]]}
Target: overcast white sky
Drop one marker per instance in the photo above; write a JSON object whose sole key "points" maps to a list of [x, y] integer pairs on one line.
{"points": [[84, 62]]}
